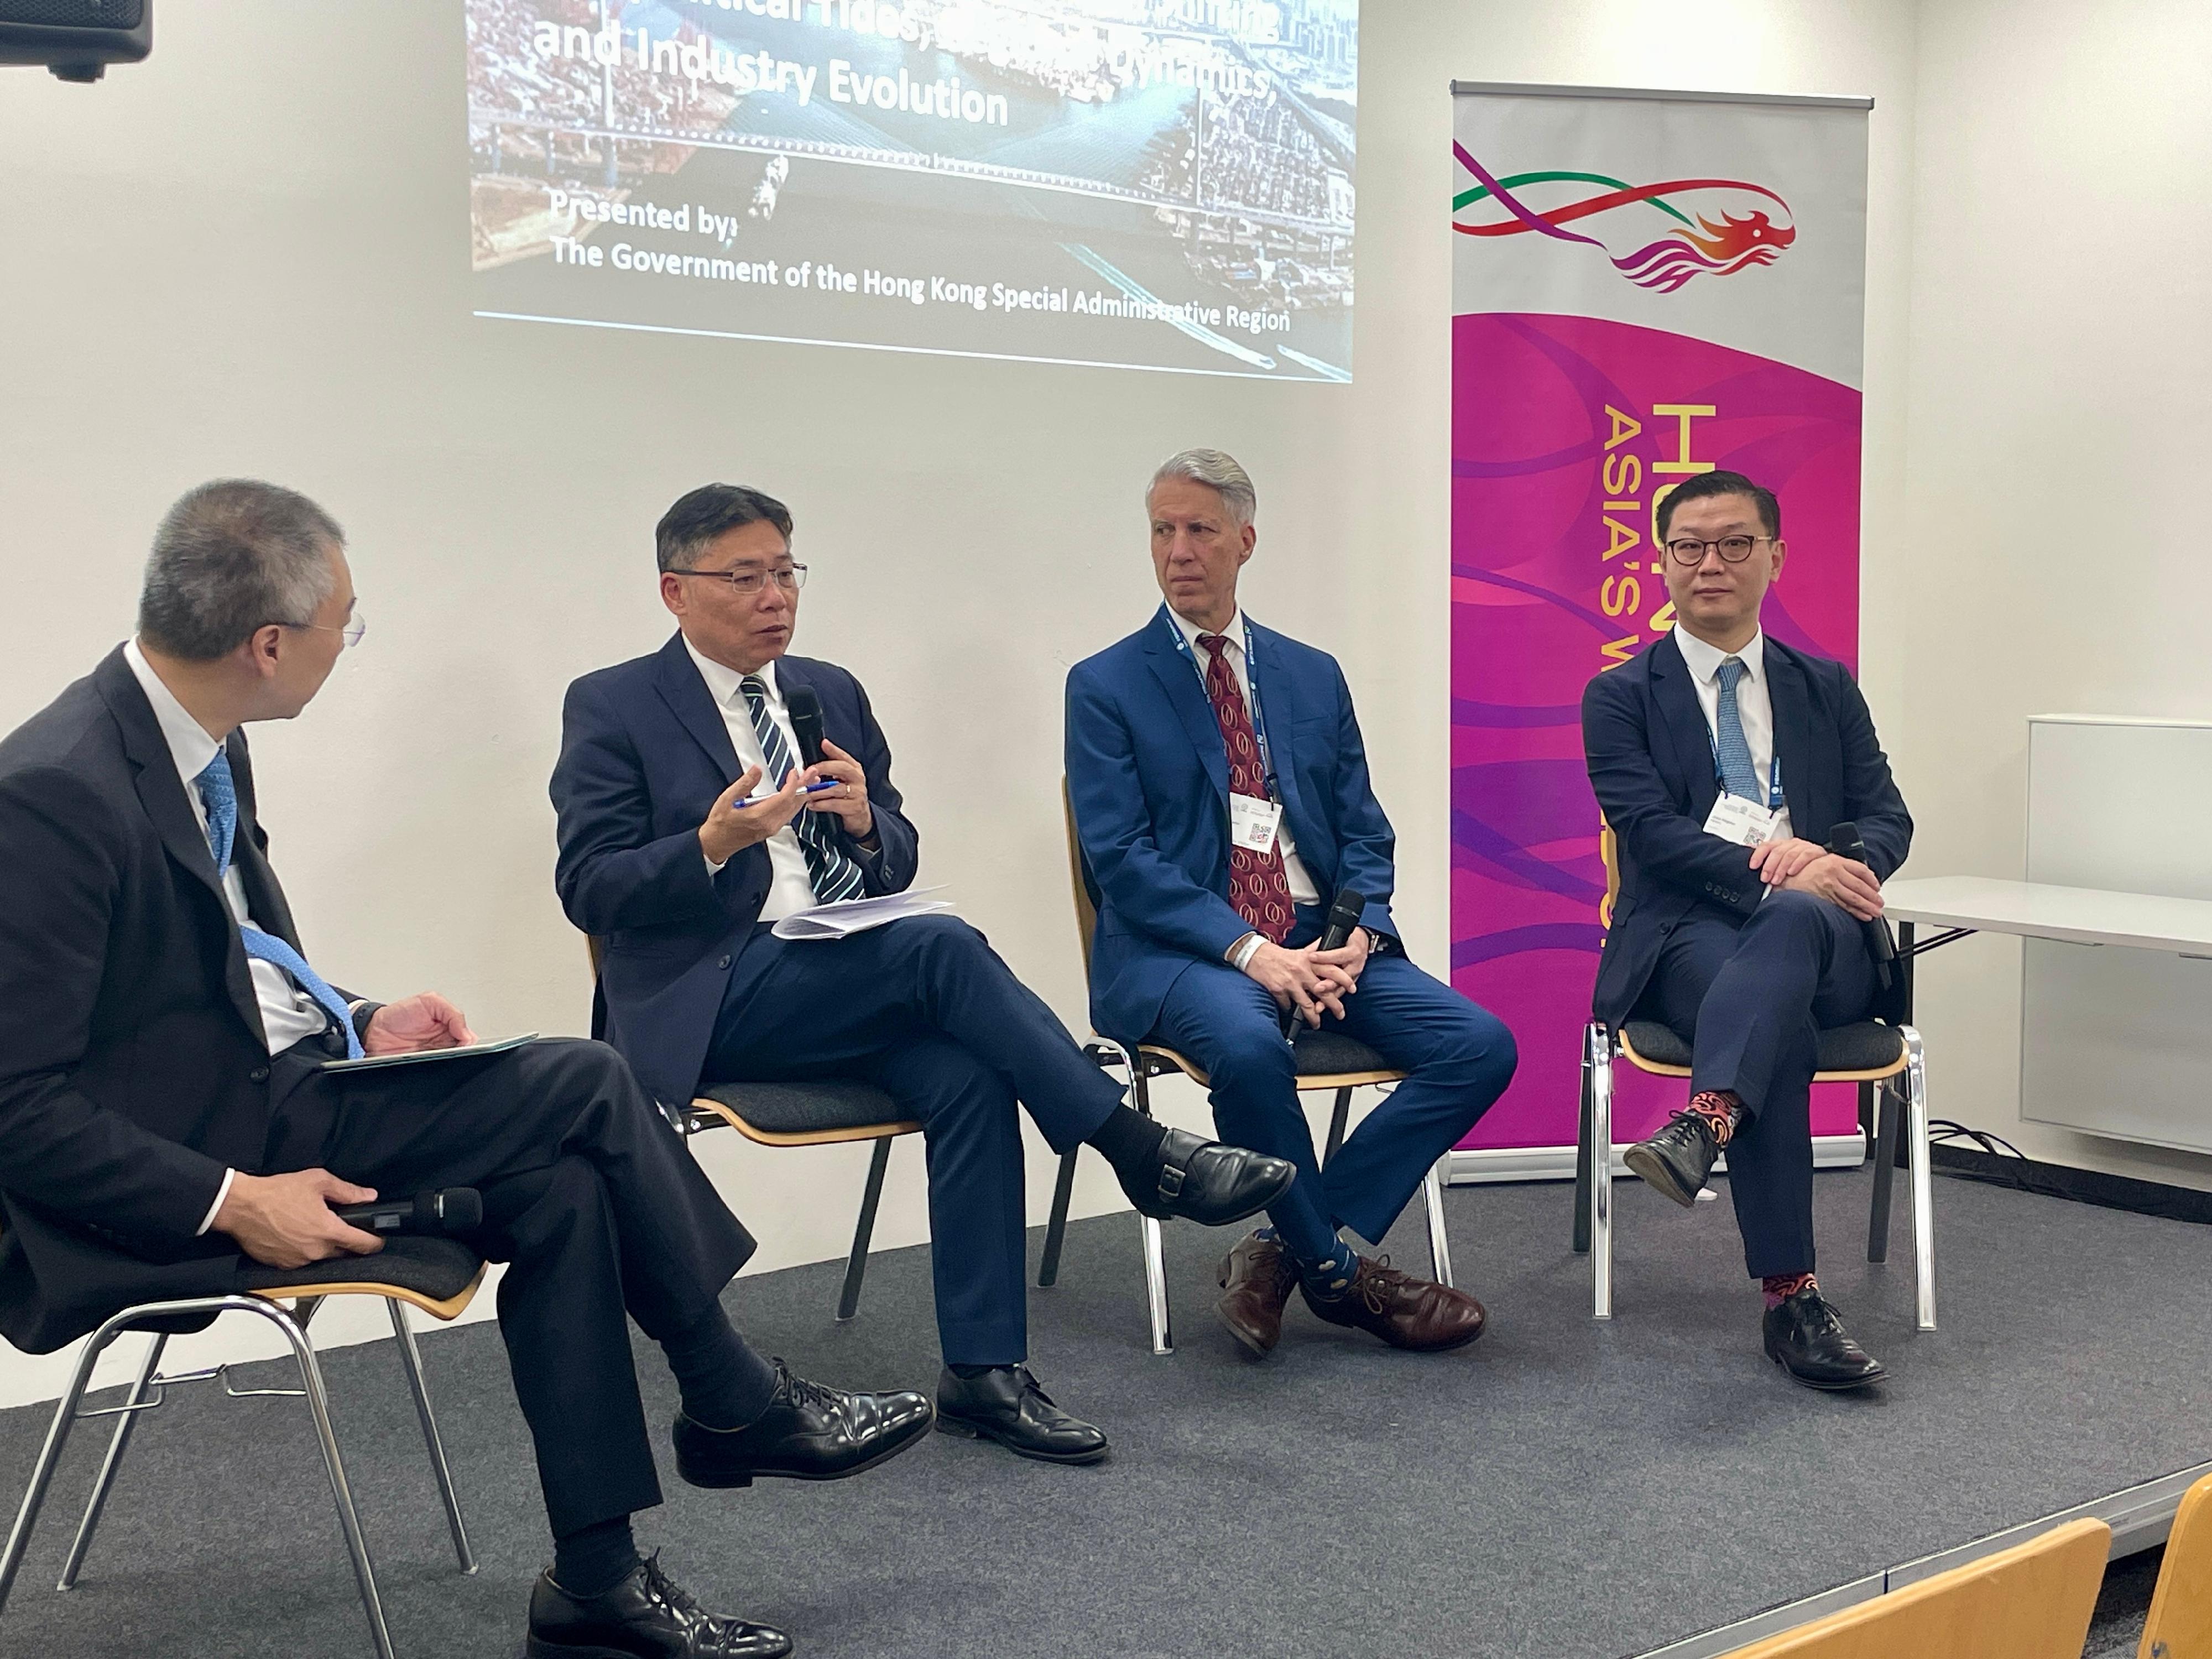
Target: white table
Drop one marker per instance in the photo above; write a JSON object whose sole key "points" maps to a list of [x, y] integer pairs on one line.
{"points": [[2035, 910]]}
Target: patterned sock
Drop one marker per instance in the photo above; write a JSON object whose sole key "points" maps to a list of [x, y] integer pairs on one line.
{"points": [[1779, 1288], [1721, 1111], [1332, 1276]]}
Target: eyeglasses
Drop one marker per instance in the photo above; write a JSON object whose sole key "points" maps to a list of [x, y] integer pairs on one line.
{"points": [[788, 577], [352, 631], [1733, 549]]}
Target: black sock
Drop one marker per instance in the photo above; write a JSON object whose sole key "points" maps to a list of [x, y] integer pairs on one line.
{"points": [[592, 1561], [1129, 1141], [969, 1373], [724, 1384]]}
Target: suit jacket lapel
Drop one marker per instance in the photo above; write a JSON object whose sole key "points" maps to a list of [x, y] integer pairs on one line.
{"points": [[1188, 697], [162, 793], [681, 687], [1278, 709], [1792, 729], [1683, 729]]}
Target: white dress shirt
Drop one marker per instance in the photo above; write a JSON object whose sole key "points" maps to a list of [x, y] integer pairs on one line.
{"points": [[1302, 891], [791, 885], [287, 1013], [1754, 708]]}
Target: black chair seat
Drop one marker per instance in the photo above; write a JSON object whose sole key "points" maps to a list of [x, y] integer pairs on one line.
{"points": [[1324, 1054], [820, 1107], [436, 1269], [1865, 1046]]}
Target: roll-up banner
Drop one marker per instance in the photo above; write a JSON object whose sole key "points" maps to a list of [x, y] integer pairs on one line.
{"points": [[1645, 286]]}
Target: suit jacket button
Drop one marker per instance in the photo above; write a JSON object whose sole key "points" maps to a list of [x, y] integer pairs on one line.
{"points": [[724, 962], [259, 1074]]}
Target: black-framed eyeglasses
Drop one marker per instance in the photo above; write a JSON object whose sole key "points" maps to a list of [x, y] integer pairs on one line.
{"points": [[788, 577], [1733, 549]]}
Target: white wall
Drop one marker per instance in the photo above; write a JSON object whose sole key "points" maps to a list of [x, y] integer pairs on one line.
{"points": [[2047, 549], [250, 254]]}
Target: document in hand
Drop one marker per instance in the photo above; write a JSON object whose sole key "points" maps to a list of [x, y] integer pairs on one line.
{"points": [[843, 919]]}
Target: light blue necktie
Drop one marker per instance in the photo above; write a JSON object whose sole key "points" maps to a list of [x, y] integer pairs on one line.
{"points": [[1737, 773], [834, 876], [219, 794]]}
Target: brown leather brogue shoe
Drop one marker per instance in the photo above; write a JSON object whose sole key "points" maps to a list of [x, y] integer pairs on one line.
{"points": [[1256, 1278], [1404, 1311]]}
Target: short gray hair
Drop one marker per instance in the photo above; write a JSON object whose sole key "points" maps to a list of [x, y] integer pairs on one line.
{"points": [[231, 557], [1218, 471]]}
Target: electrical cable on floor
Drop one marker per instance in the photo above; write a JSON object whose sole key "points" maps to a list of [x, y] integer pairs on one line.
{"points": [[1996, 1146]]}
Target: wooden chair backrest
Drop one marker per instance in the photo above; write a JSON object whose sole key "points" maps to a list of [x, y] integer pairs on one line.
{"points": [[2180, 1622], [596, 948], [1609, 848], [2032, 1602], [1086, 903]]}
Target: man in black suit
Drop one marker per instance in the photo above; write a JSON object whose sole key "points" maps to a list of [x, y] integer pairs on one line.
{"points": [[669, 855], [165, 1113], [1723, 759]]}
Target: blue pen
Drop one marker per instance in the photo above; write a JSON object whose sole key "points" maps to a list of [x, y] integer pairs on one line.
{"points": [[814, 789]]}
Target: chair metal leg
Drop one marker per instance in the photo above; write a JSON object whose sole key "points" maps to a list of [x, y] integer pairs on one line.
{"points": [[1583, 1157], [848, 1299], [1601, 1143], [112, 1461], [318, 1405], [50, 1456], [410, 1361], [1336, 1123], [1055, 1228], [1922, 1175], [1432, 1191], [1889, 1122], [1156, 1267]]}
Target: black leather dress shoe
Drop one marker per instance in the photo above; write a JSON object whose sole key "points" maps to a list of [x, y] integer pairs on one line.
{"points": [[1806, 1338], [647, 1616], [1006, 1405], [1676, 1160], [1205, 1181], [809, 1432]]}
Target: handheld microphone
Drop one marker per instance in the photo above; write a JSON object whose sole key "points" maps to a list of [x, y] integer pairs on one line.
{"points": [[805, 711], [1343, 916], [450, 1210], [1845, 842]]}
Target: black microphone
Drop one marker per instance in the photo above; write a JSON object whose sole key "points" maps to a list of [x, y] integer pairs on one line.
{"points": [[805, 711], [1343, 916], [450, 1210], [1845, 842]]}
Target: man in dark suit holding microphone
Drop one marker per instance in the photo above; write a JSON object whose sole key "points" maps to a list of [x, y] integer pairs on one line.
{"points": [[690, 823], [1726, 761], [1222, 799], [168, 1114]]}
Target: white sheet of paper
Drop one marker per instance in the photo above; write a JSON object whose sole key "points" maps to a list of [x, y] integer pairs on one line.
{"points": [[852, 916], [1744, 822], [1252, 821]]}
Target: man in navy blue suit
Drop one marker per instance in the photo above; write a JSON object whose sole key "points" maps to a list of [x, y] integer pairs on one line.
{"points": [[1713, 740], [1221, 796], [685, 837]]}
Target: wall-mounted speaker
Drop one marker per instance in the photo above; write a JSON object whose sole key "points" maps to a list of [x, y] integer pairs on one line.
{"points": [[77, 40]]}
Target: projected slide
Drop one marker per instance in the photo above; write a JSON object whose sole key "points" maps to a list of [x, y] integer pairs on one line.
{"points": [[1144, 184]]}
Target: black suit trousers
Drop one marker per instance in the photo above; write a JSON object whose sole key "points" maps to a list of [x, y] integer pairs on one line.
{"points": [[590, 1197], [1752, 996]]}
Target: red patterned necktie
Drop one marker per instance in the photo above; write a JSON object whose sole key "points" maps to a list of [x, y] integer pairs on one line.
{"points": [[1257, 886]]}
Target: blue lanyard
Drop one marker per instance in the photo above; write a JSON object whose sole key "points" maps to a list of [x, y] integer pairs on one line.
{"points": [[1252, 682], [1774, 773]]}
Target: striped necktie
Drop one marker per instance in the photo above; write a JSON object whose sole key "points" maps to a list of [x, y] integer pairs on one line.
{"points": [[834, 876], [1738, 775], [219, 795]]}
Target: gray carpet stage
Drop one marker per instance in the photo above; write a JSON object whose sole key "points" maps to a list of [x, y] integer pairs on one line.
{"points": [[1562, 1488]]}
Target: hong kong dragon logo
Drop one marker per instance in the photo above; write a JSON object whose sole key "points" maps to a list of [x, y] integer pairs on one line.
{"points": [[1712, 227]]}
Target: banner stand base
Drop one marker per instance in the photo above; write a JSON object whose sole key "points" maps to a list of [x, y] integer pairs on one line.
{"points": [[1470, 1169]]}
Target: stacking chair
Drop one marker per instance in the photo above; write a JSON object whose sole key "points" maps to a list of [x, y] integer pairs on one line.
{"points": [[1326, 1060], [2180, 1622], [1884, 1061], [2032, 1602], [438, 1275], [818, 1112]]}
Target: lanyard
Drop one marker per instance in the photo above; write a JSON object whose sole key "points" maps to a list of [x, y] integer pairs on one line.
{"points": [[1774, 773], [1252, 683]]}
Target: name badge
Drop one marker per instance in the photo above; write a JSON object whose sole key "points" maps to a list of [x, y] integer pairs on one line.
{"points": [[1746, 822], [1252, 821]]}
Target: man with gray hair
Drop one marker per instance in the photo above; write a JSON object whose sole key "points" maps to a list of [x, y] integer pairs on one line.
{"points": [[171, 1120], [1222, 799]]}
